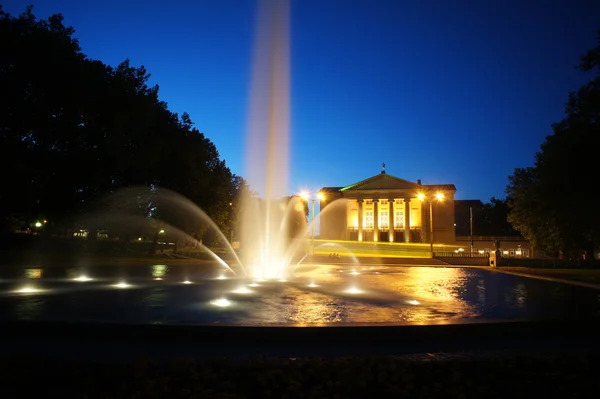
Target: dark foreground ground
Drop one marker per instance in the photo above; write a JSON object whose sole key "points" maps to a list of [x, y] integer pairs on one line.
{"points": [[491, 375], [504, 360]]}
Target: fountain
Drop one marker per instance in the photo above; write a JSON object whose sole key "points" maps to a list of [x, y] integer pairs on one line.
{"points": [[267, 159], [261, 291]]}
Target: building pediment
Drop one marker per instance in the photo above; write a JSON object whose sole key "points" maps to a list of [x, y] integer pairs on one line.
{"points": [[381, 182]]}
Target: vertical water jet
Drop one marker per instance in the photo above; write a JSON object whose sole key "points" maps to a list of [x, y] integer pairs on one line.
{"points": [[267, 147]]}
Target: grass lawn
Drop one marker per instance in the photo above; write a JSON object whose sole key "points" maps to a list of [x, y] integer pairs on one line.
{"points": [[584, 275]]}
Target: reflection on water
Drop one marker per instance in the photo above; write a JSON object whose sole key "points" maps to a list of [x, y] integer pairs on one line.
{"points": [[481, 292], [520, 295], [29, 307], [314, 294], [159, 270], [314, 308], [33, 273]]}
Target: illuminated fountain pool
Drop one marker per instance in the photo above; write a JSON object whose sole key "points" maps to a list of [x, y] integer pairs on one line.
{"points": [[267, 284], [314, 294]]}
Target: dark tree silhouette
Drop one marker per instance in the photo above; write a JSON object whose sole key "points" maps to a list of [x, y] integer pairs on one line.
{"points": [[73, 130], [554, 202]]}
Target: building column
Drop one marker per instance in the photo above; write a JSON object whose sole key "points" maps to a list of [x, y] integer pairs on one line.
{"points": [[406, 219], [391, 220], [375, 220], [348, 213], [360, 219]]}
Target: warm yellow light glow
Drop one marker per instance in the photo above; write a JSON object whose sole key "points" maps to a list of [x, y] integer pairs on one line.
{"points": [[304, 194], [83, 277], [421, 196], [122, 284], [27, 290], [242, 290], [321, 196], [221, 277], [353, 290], [354, 272], [38, 224], [413, 302], [439, 196], [254, 285], [187, 282], [45, 221], [313, 285], [221, 302], [158, 278], [161, 231]]}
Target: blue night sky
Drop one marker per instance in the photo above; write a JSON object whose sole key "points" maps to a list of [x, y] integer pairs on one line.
{"points": [[443, 91]]}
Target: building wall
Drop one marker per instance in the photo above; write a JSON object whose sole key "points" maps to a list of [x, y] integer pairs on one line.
{"points": [[341, 222], [339, 217], [443, 220]]}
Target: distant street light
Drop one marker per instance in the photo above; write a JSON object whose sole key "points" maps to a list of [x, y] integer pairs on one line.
{"points": [[306, 196], [439, 196]]}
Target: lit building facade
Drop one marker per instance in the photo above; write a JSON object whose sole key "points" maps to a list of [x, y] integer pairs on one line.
{"points": [[384, 208]]}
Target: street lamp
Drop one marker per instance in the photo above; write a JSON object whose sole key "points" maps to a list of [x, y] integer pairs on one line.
{"points": [[306, 196], [439, 196]]}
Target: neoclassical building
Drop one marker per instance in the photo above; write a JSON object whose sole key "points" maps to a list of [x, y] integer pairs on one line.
{"points": [[384, 208]]}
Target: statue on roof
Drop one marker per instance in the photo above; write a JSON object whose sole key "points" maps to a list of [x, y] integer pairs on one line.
{"points": [[383, 168]]}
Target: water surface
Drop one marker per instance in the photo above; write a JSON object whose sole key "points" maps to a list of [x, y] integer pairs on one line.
{"points": [[314, 294]]}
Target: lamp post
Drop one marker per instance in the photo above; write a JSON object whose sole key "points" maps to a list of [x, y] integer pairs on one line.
{"points": [[439, 196], [306, 196]]}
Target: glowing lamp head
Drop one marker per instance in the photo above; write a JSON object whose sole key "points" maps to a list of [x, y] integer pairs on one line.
{"points": [[439, 196], [421, 196], [221, 302], [122, 284], [353, 290], [321, 196], [242, 290], [27, 290], [304, 195]]}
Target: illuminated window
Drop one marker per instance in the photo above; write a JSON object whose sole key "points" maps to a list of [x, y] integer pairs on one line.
{"points": [[399, 219], [384, 202], [369, 219], [368, 202], [384, 219]]}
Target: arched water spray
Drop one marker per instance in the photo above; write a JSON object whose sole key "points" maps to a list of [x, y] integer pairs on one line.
{"points": [[122, 201], [292, 249]]}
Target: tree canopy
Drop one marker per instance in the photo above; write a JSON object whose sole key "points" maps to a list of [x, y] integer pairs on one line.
{"points": [[73, 130], [554, 202]]}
